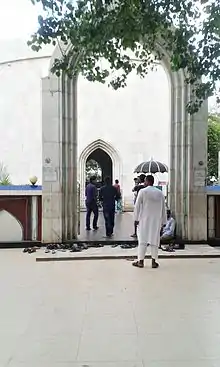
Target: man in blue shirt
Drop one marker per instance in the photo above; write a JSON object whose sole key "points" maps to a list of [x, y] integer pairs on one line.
{"points": [[91, 204]]}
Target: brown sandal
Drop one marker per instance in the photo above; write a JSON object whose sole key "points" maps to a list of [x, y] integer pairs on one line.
{"points": [[137, 264]]}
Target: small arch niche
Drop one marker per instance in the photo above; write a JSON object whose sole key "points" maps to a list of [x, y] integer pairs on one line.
{"points": [[11, 229]]}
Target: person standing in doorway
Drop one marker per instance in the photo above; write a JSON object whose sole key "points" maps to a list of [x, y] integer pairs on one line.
{"points": [[118, 202], [150, 217], [134, 190], [108, 195], [92, 204], [140, 184]]}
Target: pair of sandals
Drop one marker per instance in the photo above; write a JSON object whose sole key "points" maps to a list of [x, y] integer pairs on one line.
{"points": [[98, 245], [30, 250], [138, 264], [128, 246]]}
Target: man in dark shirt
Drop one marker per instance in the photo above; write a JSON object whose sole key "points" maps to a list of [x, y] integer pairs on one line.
{"points": [[91, 204], [108, 194], [136, 189]]}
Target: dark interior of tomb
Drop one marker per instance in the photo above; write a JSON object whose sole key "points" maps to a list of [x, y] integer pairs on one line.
{"points": [[105, 163]]}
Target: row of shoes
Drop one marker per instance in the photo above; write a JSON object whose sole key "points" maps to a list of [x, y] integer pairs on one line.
{"points": [[74, 247], [125, 245], [54, 247]]}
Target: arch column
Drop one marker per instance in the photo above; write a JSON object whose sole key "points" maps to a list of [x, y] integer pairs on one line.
{"points": [[188, 163], [59, 159], [188, 158]]}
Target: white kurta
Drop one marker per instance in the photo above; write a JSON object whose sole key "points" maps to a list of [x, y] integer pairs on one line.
{"points": [[150, 211]]}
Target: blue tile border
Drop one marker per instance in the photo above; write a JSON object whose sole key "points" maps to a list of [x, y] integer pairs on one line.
{"points": [[215, 188], [20, 187]]}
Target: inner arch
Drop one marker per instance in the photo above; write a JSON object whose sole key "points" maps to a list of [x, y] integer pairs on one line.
{"points": [[104, 161]]}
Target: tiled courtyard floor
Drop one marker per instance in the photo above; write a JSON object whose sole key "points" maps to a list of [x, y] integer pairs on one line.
{"points": [[124, 227], [108, 314]]}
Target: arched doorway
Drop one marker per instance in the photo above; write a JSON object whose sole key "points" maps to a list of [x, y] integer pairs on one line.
{"points": [[99, 163], [188, 156], [107, 163]]}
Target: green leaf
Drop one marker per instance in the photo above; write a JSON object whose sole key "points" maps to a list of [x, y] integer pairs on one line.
{"points": [[110, 30]]}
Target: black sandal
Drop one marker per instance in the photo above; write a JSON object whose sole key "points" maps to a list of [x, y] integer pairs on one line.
{"points": [[137, 264]]}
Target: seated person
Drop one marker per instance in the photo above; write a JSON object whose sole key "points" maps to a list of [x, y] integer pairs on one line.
{"points": [[168, 230]]}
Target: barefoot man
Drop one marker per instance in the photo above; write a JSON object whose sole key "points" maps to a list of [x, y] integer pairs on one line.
{"points": [[150, 216]]}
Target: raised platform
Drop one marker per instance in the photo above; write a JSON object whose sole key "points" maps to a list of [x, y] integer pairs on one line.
{"points": [[108, 252], [122, 235]]}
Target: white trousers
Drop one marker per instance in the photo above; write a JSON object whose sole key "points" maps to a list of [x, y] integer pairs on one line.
{"points": [[142, 249]]}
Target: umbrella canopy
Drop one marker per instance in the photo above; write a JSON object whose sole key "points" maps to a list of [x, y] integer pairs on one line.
{"points": [[151, 167]]}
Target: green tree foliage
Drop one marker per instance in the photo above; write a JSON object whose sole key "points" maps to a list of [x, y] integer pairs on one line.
{"points": [[213, 144], [111, 29], [4, 176]]}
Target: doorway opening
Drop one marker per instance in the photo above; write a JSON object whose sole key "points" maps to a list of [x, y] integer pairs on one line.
{"points": [[99, 164]]}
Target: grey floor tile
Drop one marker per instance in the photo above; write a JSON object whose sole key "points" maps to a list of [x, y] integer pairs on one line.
{"points": [[59, 348], [109, 364], [211, 345], [108, 347], [8, 345], [109, 324], [54, 324], [168, 347], [198, 363], [80, 364], [108, 314]]}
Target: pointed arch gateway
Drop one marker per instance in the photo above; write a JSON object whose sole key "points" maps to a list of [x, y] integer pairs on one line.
{"points": [[107, 148], [188, 156]]}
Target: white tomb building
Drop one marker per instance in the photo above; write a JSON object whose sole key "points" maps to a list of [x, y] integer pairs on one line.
{"points": [[121, 128]]}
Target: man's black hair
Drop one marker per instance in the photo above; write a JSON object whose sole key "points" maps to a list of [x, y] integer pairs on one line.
{"points": [[107, 180], [150, 179], [116, 181], [142, 177], [92, 178]]}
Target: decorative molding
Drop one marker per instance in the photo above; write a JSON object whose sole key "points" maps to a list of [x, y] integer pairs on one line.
{"points": [[107, 148]]}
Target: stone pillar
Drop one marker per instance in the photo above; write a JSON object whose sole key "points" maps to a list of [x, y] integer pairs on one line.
{"points": [[188, 162], [197, 171], [59, 209], [211, 216], [176, 171], [34, 218], [219, 167]]}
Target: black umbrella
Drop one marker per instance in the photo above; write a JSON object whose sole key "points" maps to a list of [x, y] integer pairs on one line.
{"points": [[151, 167]]}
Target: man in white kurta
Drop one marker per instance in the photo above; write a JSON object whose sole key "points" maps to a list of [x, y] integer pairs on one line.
{"points": [[150, 216]]}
